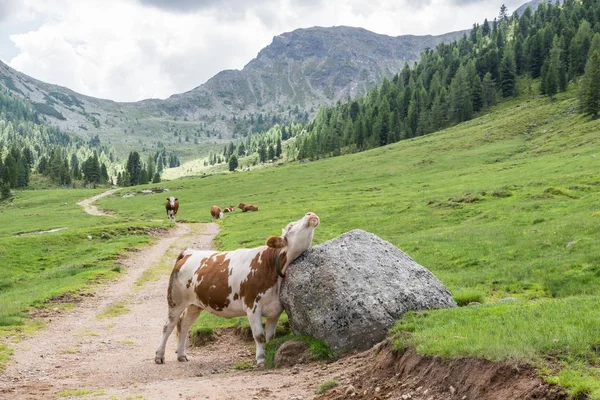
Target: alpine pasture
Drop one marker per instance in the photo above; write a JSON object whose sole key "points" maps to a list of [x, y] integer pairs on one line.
{"points": [[505, 205]]}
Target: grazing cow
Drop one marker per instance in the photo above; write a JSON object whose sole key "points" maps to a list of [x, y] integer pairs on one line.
{"points": [[233, 284], [216, 212], [172, 206], [229, 209], [247, 207]]}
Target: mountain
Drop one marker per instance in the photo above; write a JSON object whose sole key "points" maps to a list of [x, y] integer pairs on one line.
{"points": [[289, 79]]}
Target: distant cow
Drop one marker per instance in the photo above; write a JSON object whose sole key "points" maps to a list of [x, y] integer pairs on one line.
{"points": [[247, 207], [229, 209], [216, 212], [233, 284], [172, 206]]}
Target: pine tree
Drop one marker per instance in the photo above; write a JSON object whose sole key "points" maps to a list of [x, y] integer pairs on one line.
{"points": [[508, 74], [461, 106], [579, 48], [551, 70], [271, 153], [477, 93], [262, 152], [589, 88], [156, 178], [488, 89], [485, 29], [4, 191], [9, 171], [503, 16], [278, 148], [151, 167], [22, 173], [233, 162], [134, 167]]}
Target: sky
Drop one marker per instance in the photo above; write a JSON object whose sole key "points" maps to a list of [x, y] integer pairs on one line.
{"points": [[129, 50]]}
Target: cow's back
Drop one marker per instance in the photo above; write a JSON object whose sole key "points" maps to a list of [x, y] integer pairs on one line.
{"points": [[226, 283]]}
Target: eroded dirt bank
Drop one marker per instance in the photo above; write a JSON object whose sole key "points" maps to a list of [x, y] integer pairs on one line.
{"points": [[389, 374]]}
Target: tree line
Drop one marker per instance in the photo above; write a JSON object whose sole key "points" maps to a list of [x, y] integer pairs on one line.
{"points": [[28, 146], [259, 148], [456, 81]]}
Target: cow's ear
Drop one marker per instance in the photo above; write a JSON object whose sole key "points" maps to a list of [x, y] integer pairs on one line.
{"points": [[176, 199], [276, 242], [168, 199]]}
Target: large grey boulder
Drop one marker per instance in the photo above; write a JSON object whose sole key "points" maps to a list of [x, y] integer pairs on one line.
{"points": [[349, 291]]}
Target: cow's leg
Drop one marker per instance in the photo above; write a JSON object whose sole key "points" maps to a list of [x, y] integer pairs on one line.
{"points": [[255, 320], [172, 319], [271, 327], [188, 318]]}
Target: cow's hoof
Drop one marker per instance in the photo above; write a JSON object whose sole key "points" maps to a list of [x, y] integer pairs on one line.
{"points": [[182, 358], [159, 360], [259, 363]]}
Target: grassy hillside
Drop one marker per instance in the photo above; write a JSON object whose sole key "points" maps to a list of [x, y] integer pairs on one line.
{"points": [[503, 205]]}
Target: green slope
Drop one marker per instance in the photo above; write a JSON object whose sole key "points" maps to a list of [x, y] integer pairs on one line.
{"points": [[503, 205]]}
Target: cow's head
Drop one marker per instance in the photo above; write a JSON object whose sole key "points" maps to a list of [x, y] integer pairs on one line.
{"points": [[241, 206], [296, 236], [171, 200]]}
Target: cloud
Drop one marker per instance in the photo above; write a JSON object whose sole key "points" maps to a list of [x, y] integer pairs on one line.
{"points": [[128, 50]]}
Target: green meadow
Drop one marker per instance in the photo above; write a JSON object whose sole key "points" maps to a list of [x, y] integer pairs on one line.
{"points": [[505, 205]]}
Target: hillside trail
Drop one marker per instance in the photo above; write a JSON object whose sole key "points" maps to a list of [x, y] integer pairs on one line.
{"points": [[81, 354], [91, 209]]}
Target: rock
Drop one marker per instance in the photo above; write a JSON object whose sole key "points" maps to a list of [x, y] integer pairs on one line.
{"points": [[507, 300], [349, 291], [147, 191], [291, 353], [473, 304], [349, 390], [571, 244], [126, 195]]}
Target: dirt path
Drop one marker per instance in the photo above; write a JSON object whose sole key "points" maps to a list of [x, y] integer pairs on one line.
{"points": [[93, 210], [87, 356]]}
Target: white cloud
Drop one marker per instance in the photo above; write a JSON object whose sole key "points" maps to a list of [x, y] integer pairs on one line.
{"points": [[126, 51]]}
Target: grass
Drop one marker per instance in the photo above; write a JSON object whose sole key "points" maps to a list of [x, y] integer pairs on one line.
{"points": [[114, 310], [325, 386], [504, 205], [466, 296], [242, 366], [559, 330], [81, 392]]}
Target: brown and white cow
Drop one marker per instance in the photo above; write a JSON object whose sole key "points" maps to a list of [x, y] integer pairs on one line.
{"points": [[172, 206], [215, 212], [229, 209], [233, 284], [247, 207]]}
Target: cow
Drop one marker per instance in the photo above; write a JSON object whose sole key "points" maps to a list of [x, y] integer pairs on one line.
{"points": [[172, 206], [229, 209], [215, 212], [247, 207], [233, 284]]}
